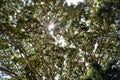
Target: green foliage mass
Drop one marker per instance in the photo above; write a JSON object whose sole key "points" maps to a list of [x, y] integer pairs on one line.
{"points": [[30, 50]]}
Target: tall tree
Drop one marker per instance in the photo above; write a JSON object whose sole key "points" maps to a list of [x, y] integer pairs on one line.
{"points": [[31, 50]]}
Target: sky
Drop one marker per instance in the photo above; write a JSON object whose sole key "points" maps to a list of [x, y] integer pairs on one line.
{"points": [[73, 1]]}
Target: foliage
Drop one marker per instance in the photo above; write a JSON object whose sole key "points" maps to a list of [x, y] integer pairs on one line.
{"points": [[111, 72], [30, 50]]}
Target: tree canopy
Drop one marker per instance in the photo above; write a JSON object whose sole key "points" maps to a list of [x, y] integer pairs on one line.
{"points": [[51, 40]]}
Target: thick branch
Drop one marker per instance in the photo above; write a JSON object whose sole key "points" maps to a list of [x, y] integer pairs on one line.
{"points": [[9, 72]]}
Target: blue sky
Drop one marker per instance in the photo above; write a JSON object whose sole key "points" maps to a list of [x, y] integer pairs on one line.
{"points": [[74, 1]]}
